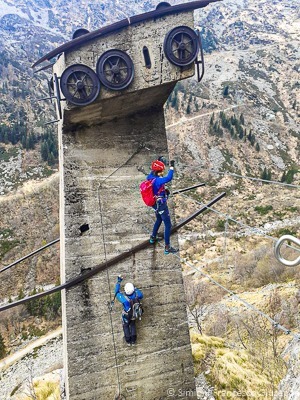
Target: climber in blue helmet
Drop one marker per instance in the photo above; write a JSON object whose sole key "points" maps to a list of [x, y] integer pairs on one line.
{"points": [[161, 207], [132, 309]]}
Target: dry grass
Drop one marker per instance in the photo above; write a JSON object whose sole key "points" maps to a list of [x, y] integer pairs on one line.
{"points": [[234, 373], [42, 390]]}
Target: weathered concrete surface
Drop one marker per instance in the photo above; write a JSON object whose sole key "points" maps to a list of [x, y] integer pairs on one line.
{"points": [[100, 149], [107, 198], [114, 104]]}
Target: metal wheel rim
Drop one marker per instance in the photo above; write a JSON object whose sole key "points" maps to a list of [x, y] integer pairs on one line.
{"points": [[115, 69], [181, 46], [80, 85]]}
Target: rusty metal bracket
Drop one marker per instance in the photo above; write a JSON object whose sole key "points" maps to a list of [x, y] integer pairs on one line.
{"points": [[201, 61], [54, 93]]}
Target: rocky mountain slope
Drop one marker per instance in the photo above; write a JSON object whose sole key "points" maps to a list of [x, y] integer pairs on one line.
{"points": [[243, 118]]}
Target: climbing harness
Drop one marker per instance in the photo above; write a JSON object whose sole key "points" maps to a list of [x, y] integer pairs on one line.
{"points": [[277, 248]]}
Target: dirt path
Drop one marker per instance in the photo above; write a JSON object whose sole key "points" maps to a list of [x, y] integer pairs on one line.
{"points": [[6, 362], [184, 119]]}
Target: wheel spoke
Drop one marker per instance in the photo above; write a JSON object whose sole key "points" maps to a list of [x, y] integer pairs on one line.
{"points": [[74, 95], [75, 77], [83, 91], [84, 78]]}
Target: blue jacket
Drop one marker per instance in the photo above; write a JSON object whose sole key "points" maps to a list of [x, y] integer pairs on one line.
{"points": [[159, 182], [121, 297]]}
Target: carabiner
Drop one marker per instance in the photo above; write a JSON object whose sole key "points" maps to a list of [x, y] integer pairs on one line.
{"points": [[278, 245]]}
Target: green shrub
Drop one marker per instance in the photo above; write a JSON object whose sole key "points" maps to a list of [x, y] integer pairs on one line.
{"points": [[2, 347], [220, 225], [263, 210]]}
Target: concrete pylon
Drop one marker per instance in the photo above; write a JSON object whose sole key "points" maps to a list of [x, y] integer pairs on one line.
{"points": [[102, 142]]}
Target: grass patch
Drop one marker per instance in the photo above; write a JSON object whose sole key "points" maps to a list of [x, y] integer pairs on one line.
{"points": [[285, 231], [5, 155], [5, 233], [263, 210], [6, 246]]}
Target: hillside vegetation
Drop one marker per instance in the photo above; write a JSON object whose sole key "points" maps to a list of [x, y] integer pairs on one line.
{"points": [[241, 121]]}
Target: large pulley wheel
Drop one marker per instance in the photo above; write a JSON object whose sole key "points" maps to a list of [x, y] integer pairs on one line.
{"points": [[80, 85], [115, 69], [181, 46]]}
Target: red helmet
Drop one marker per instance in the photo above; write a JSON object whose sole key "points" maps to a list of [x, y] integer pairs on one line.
{"points": [[157, 166]]}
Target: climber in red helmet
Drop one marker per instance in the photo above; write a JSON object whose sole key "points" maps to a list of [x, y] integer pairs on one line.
{"points": [[161, 206]]}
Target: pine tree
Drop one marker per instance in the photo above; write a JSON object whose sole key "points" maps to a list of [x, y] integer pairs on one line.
{"points": [[264, 174], [21, 294], [233, 120], [242, 119], [2, 347], [5, 138], [257, 147], [226, 91], [45, 151]]}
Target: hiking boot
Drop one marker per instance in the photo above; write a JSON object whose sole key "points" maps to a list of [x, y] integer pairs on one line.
{"points": [[125, 342], [170, 250], [154, 239]]}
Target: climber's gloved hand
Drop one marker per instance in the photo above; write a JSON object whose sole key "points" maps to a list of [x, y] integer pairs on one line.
{"points": [[162, 159], [120, 278], [172, 163]]}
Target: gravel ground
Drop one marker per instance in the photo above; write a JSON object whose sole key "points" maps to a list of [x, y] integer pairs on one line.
{"points": [[39, 362]]}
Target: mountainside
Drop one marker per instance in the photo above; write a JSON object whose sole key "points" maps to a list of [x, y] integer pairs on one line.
{"points": [[241, 119], [252, 69]]}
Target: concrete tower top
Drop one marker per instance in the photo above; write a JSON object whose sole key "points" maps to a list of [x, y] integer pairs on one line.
{"points": [[162, 9]]}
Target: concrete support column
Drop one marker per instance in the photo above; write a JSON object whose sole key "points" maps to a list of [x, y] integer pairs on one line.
{"points": [[101, 188]]}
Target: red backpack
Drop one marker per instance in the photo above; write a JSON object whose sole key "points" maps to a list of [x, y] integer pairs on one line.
{"points": [[146, 189], [147, 194]]}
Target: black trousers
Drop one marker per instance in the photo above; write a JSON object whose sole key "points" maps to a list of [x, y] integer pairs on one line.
{"points": [[129, 329]]}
